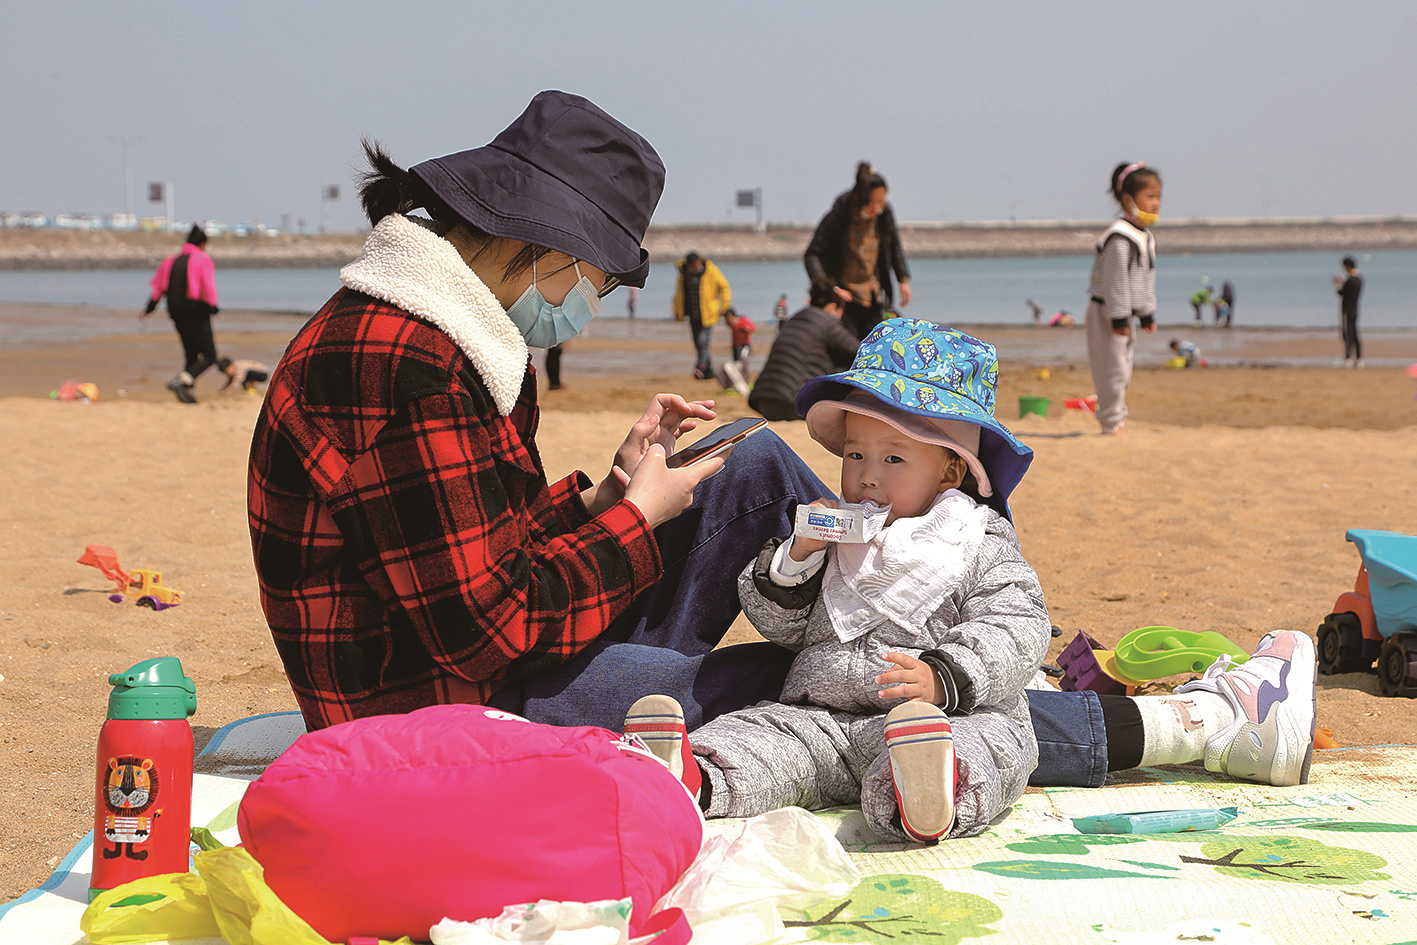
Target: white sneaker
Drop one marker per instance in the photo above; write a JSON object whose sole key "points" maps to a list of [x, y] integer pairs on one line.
{"points": [[921, 745], [1273, 694]]}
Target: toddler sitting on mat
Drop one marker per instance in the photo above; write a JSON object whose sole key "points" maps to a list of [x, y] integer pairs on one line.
{"points": [[907, 693]]}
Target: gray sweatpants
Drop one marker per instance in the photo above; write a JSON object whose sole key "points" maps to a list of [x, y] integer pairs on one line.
{"points": [[772, 755], [1110, 355]]}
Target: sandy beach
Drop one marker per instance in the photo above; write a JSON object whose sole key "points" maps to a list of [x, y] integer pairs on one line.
{"points": [[1222, 507]]}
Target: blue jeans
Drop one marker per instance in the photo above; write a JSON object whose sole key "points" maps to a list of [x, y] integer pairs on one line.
{"points": [[703, 335], [665, 642], [1072, 741]]}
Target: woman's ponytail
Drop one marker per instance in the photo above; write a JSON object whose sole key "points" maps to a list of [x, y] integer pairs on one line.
{"points": [[386, 188], [867, 180]]}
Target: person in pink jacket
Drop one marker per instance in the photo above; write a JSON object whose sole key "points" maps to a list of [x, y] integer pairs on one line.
{"points": [[188, 279]]}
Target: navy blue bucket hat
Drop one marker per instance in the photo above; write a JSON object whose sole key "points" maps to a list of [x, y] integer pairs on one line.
{"points": [[937, 373], [564, 175]]}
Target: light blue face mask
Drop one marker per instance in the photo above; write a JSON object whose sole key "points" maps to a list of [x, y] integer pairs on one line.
{"points": [[544, 325]]}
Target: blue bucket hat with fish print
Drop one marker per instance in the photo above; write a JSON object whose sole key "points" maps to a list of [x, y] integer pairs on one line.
{"points": [[934, 372]]}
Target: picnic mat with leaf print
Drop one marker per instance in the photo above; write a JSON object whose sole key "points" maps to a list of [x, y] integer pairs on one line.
{"points": [[1334, 860]]}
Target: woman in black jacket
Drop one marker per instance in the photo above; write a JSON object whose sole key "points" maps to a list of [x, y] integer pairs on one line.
{"points": [[857, 246]]}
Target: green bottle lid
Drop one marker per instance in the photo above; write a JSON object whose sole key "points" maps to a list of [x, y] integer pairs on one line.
{"points": [[152, 689]]}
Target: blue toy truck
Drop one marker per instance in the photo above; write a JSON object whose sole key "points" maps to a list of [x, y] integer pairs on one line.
{"points": [[1377, 620]]}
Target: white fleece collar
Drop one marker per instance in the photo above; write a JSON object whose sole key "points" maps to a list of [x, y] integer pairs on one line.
{"points": [[406, 264]]}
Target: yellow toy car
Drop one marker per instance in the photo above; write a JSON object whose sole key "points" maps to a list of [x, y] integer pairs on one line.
{"points": [[146, 585], [143, 583]]}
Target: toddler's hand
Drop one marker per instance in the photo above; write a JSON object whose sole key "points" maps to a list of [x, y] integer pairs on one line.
{"points": [[913, 679], [804, 548]]}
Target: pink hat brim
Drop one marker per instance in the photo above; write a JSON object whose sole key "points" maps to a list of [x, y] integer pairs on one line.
{"points": [[826, 422]]}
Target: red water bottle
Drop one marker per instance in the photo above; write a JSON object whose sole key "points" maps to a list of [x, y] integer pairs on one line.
{"points": [[142, 818]]}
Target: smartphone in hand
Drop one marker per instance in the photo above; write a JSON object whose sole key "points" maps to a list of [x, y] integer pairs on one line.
{"points": [[716, 443]]}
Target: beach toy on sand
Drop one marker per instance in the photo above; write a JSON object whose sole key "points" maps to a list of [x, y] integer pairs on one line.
{"points": [[1043, 374], [144, 584], [1377, 620], [1153, 652], [1176, 364], [1028, 404], [1086, 404], [1412, 373], [1086, 665], [75, 390]]}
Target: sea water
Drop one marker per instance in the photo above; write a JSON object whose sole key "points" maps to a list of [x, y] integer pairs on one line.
{"points": [[1273, 290]]}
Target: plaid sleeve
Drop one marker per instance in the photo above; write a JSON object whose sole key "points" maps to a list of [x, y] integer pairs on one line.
{"points": [[562, 508], [448, 527]]}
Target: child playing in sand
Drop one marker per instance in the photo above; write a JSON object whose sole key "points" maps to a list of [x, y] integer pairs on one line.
{"points": [[1122, 287], [1188, 351], [735, 373], [245, 373], [937, 619]]}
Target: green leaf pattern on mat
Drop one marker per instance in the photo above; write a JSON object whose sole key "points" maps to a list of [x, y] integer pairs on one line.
{"points": [[1338, 826], [1289, 860], [1056, 869], [900, 907], [225, 820], [1071, 844]]}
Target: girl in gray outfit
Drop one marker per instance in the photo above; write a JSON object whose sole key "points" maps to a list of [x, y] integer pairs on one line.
{"points": [[1123, 286], [914, 647]]}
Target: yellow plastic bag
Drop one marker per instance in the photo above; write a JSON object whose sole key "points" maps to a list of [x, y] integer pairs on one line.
{"points": [[229, 899], [247, 912], [152, 909]]}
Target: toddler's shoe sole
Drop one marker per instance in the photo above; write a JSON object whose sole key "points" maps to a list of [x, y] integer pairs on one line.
{"points": [[921, 746], [659, 722]]}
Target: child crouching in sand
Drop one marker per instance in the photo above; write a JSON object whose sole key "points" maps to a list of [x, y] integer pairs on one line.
{"points": [[913, 647]]}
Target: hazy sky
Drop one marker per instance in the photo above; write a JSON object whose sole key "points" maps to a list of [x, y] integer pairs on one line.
{"points": [[972, 111]]}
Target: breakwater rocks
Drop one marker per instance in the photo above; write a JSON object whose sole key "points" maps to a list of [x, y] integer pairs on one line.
{"points": [[1052, 238], [71, 249]]}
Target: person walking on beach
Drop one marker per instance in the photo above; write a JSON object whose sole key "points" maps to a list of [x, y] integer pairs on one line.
{"points": [[1122, 288], [188, 279], [553, 367], [857, 246], [1349, 287], [780, 311], [701, 294], [814, 342], [632, 299], [1227, 295]]}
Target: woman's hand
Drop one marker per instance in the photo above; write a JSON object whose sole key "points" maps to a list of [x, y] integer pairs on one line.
{"points": [[803, 548], [660, 493], [913, 679], [668, 417], [904, 294]]}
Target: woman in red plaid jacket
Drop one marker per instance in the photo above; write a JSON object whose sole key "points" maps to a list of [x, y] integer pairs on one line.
{"points": [[409, 548]]}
